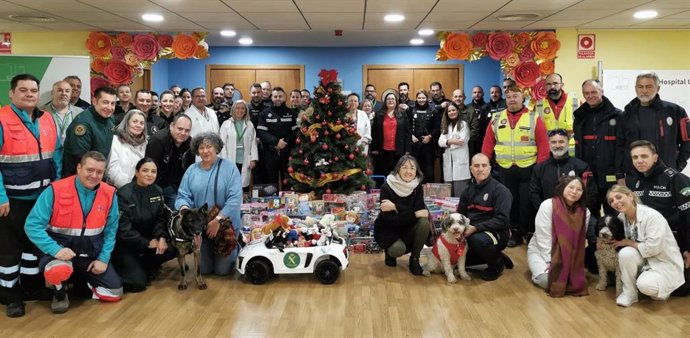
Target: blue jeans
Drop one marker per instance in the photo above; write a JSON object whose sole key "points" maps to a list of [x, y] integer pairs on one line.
{"points": [[216, 264], [169, 196]]}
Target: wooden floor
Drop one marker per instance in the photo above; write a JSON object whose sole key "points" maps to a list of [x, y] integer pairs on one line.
{"points": [[369, 300]]}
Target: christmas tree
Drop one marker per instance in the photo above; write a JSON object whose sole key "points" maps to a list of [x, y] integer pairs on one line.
{"points": [[326, 158]]}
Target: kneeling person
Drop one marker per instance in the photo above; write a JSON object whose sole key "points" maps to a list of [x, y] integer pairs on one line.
{"points": [[74, 223]]}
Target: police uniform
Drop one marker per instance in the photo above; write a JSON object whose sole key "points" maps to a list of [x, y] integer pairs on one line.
{"points": [[30, 158], [424, 122], [559, 116], [484, 116], [258, 172], [88, 131], [545, 177], [276, 123]]}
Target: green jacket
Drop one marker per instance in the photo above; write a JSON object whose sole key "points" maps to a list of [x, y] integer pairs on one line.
{"points": [[88, 131]]}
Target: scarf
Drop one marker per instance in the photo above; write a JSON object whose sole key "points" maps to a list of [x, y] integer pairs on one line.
{"points": [[567, 271], [400, 187]]}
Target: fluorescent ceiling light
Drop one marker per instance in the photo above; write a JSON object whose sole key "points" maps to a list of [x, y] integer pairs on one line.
{"points": [[228, 33], [394, 17], [426, 32], [152, 17], [648, 14], [416, 41], [246, 41]]}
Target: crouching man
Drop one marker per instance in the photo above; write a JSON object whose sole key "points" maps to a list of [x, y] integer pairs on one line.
{"points": [[74, 223]]}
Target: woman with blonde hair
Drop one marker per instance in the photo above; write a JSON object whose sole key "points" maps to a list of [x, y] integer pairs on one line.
{"points": [[239, 137]]}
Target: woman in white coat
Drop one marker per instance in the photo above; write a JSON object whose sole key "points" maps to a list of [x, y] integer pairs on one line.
{"points": [[361, 120], [650, 260], [456, 157], [239, 136], [128, 147]]}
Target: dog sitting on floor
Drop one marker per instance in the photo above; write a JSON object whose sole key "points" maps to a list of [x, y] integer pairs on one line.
{"points": [[450, 250], [185, 231], [609, 228]]}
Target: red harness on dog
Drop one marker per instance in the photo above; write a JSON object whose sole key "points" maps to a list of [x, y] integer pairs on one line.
{"points": [[455, 250]]}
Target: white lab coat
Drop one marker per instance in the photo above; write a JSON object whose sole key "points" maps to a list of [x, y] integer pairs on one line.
{"points": [[229, 136], [456, 159]]}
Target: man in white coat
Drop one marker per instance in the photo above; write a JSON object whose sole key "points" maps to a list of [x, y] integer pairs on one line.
{"points": [[204, 119]]}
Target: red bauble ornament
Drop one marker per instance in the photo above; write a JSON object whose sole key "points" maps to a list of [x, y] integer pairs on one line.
{"points": [[346, 178], [338, 121], [324, 123], [347, 147], [323, 175], [351, 156], [313, 139], [340, 103], [336, 159], [368, 172], [328, 191], [326, 133], [290, 170], [304, 130], [329, 113], [306, 161], [298, 141], [318, 117], [285, 181], [357, 149], [337, 136], [330, 90], [300, 151], [324, 146]]}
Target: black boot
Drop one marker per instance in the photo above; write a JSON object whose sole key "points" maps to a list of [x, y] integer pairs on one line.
{"points": [[415, 268], [390, 260], [515, 239], [507, 261], [15, 309]]}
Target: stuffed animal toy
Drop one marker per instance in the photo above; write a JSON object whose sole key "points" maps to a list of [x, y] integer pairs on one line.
{"points": [[280, 221]]}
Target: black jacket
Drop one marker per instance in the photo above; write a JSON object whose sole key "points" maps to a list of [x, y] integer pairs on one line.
{"points": [[672, 147], [389, 226], [276, 123], [545, 176], [423, 121], [403, 134], [484, 115], [172, 161], [142, 216], [668, 192], [487, 205], [600, 142]]}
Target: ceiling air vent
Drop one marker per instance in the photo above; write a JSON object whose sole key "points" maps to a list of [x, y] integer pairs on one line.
{"points": [[31, 18], [518, 17]]}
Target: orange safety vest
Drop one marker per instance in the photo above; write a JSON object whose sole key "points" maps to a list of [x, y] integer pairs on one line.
{"points": [[26, 162], [68, 218]]}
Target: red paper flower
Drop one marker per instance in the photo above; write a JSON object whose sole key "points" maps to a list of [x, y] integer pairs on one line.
{"points": [[545, 45], [521, 39], [184, 46], [98, 82], [539, 90], [98, 64], [145, 47], [526, 54], [123, 39], [165, 40], [99, 44], [118, 53], [480, 39], [458, 46], [499, 45], [527, 74], [328, 75], [118, 72]]}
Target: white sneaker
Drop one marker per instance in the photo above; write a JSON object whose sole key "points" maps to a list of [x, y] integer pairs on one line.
{"points": [[626, 300]]}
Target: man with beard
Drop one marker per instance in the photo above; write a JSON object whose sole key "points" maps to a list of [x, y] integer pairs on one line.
{"points": [[204, 119], [663, 123], [665, 190], [468, 114], [370, 94], [557, 108], [276, 131], [143, 101], [495, 104], [508, 82], [306, 99], [404, 100], [63, 112], [599, 141], [228, 93], [518, 138], [217, 100], [75, 82], [266, 94], [438, 98]]}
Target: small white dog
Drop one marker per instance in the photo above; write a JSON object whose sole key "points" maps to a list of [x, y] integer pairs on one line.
{"points": [[450, 250]]}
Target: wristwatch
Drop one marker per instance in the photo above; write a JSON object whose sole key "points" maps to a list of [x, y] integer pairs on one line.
{"points": [[219, 217]]}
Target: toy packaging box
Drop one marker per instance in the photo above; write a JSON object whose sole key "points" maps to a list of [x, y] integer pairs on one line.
{"points": [[437, 190]]}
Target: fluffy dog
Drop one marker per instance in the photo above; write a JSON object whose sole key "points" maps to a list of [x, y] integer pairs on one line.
{"points": [[185, 231], [450, 249], [609, 228]]}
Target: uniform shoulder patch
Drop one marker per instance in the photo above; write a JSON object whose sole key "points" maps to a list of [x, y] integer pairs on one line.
{"points": [[685, 191], [670, 172], [80, 130]]}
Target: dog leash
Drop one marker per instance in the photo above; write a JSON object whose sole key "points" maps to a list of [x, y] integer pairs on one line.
{"points": [[171, 229]]}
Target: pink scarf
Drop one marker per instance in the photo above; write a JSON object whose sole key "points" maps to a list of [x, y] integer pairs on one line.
{"points": [[567, 271]]}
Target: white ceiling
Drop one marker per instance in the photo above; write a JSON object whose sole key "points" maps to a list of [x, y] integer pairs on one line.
{"points": [[312, 22]]}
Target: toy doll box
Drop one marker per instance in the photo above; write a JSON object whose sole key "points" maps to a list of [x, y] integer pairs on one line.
{"points": [[437, 190]]}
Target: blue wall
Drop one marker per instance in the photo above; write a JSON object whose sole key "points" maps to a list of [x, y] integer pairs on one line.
{"points": [[348, 62], [160, 76]]}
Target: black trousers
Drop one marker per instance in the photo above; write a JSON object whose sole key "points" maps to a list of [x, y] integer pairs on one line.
{"points": [[517, 180], [385, 162], [134, 267], [19, 273], [485, 248], [275, 166], [425, 154]]}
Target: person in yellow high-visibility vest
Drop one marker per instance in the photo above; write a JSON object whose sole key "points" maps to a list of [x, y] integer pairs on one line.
{"points": [[517, 136], [557, 108]]}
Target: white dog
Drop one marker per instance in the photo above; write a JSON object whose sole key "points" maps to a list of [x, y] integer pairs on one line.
{"points": [[450, 249]]}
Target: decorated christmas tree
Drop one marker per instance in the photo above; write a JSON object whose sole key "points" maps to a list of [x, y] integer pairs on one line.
{"points": [[326, 158]]}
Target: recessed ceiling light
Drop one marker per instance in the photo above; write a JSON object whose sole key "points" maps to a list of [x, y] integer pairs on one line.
{"points": [[228, 33], [394, 17], [517, 17], [152, 17], [426, 32], [246, 41], [648, 14], [416, 41]]}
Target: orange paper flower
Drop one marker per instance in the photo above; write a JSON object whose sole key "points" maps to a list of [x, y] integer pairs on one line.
{"points": [[184, 46], [99, 44], [547, 67], [513, 59], [458, 46], [131, 59], [98, 65], [201, 53], [545, 45], [521, 39], [123, 39]]}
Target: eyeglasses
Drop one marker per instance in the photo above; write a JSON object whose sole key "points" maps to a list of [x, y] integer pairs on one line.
{"points": [[559, 131]]}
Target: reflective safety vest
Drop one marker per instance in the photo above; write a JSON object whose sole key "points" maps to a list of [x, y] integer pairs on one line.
{"points": [[26, 162], [564, 121], [68, 217], [516, 146]]}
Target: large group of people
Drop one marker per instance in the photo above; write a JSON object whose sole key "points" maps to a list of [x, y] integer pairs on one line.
{"points": [[86, 189]]}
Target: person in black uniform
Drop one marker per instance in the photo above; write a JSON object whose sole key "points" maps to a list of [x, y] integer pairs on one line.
{"points": [[496, 104], [599, 142], [142, 235], [276, 130], [425, 129], [487, 204], [254, 108], [665, 190]]}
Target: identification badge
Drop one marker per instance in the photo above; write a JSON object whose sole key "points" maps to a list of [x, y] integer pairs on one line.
{"points": [[610, 178], [155, 199], [240, 146]]}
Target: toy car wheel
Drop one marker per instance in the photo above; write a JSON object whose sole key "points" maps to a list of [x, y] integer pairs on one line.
{"points": [[257, 271], [327, 271]]}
